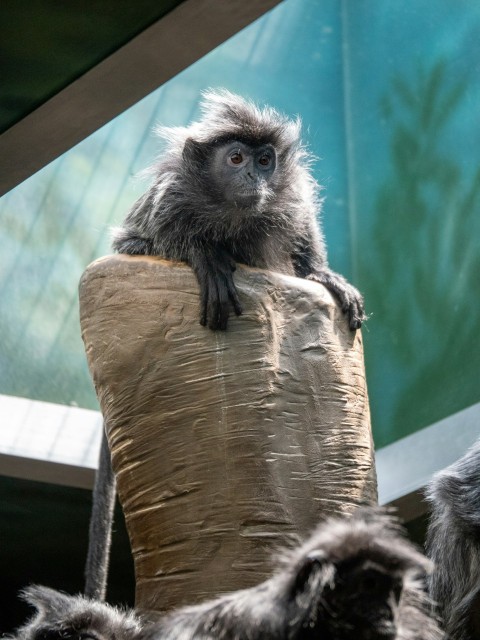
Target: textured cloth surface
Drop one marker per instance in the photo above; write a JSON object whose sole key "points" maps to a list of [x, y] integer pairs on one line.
{"points": [[226, 445]]}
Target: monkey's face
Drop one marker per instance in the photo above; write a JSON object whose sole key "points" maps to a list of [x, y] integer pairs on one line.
{"points": [[362, 601], [242, 174]]}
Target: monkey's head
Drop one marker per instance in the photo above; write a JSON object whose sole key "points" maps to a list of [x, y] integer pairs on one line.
{"points": [[240, 154], [358, 579], [63, 617]]}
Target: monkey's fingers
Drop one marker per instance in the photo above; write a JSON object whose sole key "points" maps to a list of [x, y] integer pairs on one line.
{"points": [[233, 295], [200, 269], [227, 268], [352, 307], [355, 317], [351, 301], [203, 302], [356, 313], [218, 307], [213, 300], [217, 289]]}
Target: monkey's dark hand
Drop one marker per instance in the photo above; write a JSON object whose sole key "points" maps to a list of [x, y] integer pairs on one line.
{"points": [[214, 268], [351, 299]]}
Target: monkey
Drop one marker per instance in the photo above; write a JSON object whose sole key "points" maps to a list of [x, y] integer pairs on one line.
{"points": [[235, 187], [355, 578], [453, 544], [60, 616]]}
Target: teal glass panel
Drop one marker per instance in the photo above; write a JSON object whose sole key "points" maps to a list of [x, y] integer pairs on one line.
{"points": [[414, 156], [389, 96], [54, 224]]}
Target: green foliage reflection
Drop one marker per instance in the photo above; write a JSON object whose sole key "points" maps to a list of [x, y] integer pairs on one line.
{"points": [[422, 282]]}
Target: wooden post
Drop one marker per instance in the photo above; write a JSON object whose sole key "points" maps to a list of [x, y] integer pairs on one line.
{"points": [[226, 445]]}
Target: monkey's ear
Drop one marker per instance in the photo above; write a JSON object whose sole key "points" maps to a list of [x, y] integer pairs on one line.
{"points": [[194, 151], [311, 567], [46, 601]]}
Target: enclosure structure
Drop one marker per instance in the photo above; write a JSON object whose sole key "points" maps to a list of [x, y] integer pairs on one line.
{"points": [[226, 445]]}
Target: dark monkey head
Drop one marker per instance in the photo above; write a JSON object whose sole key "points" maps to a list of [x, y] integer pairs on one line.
{"points": [[241, 156], [359, 599], [359, 579], [354, 579], [62, 617]]}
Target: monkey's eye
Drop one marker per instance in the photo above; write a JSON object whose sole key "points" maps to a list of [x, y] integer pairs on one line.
{"points": [[236, 158], [265, 160]]}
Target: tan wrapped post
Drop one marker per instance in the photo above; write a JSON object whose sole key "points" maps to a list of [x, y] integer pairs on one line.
{"points": [[226, 445]]}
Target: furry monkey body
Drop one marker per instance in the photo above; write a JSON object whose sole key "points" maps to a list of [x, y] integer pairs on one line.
{"points": [[453, 543], [236, 186], [354, 579]]}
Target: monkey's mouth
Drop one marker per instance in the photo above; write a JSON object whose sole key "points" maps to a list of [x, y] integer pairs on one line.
{"points": [[255, 193], [248, 198]]}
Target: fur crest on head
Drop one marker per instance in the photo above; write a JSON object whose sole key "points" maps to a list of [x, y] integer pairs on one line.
{"points": [[226, 115]]}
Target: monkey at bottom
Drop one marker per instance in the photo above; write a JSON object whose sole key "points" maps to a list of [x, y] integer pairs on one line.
{"points": [[355, 579], [453, 543]]}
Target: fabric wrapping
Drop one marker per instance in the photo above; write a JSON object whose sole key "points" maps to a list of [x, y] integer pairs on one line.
{"points": [[226, 445]]}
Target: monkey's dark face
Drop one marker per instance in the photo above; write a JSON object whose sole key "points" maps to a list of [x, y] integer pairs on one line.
{"points": [[363, 602], [242, 174]]}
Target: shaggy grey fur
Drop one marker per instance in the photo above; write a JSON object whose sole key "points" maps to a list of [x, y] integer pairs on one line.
{"points": [[186, 214], [354, 579], [62, 617], [453, 543]]}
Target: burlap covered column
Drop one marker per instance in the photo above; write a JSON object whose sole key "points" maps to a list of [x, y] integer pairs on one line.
{"points": [[226, 445]]}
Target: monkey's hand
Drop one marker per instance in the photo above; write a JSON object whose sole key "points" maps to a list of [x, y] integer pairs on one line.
{"points": [[214, 268], [351, 299]]}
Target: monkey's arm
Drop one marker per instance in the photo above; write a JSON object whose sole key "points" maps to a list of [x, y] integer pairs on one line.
{"points": [[131, 237], [144, 232], [309, 262], [214, 267]]}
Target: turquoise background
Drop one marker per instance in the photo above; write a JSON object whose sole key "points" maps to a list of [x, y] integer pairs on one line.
{"points": [[389, 93]]}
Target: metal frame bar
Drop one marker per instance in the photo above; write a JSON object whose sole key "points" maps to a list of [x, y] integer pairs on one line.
{"points": [[169, 46], [60, 445]]}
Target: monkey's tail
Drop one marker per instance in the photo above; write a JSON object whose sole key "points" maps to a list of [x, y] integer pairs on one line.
{"points": [[100, 530]]}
